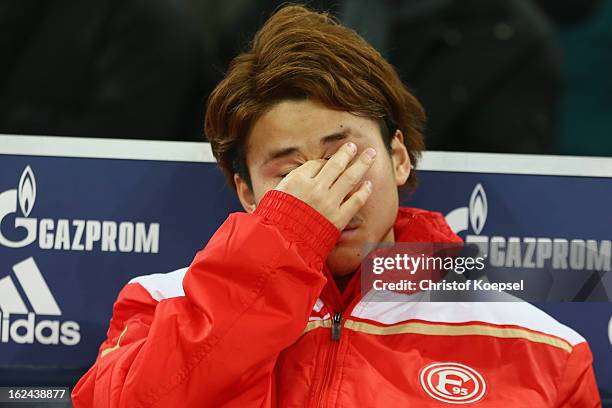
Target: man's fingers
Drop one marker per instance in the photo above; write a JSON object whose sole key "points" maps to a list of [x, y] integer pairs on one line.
{"points": [[312, 167], [354, 174], [311, 183], [301, 175], [354, 203], [336, 164]]}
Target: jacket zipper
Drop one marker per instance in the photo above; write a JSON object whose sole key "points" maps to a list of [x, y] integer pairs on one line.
{"points": [[336, 332]]}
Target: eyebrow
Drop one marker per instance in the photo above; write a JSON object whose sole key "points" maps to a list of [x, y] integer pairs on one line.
{"points": [[325, 140]]}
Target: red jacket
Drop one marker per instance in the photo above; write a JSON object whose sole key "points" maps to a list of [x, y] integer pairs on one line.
{"points": [[250, 322]]}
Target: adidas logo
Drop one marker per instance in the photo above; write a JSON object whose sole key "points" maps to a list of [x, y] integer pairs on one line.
{"points": [[41, 300]]}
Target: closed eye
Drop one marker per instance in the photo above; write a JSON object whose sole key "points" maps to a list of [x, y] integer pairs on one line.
{"points": [[286, 173]]}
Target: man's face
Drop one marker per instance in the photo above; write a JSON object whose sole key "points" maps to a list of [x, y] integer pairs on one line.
{"points": [[293, 132]]}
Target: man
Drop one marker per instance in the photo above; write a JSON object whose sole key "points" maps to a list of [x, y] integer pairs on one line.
{"points": [[316, 132]]}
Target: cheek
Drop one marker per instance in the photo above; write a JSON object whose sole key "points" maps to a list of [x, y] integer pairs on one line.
{"points": [[382, 205], [381, 175], [262, 185]]}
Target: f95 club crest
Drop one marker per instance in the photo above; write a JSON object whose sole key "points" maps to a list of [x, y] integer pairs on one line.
{"points": [[453, 383]]}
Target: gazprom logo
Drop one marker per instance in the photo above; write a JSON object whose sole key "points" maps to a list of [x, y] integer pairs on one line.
{"points": [[475, 214], [27, 191], [527, 252], [8, 205], [478, 208], [68, 234]]}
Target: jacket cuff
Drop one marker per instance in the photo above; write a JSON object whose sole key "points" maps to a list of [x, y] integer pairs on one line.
{"points": [[301, 220]]}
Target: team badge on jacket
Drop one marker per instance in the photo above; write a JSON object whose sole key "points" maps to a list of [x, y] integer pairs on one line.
{"points": [[453, 383]]}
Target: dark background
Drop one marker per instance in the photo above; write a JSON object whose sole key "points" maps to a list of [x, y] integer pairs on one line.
{"points": [[511, 76]]}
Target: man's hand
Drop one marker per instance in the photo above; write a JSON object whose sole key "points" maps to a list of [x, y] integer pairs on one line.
{"points": [[325, 185]]}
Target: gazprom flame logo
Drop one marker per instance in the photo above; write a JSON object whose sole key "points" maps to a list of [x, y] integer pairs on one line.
{"points": [[26, 195], [27, 191], [478, 208], [475, 215]]}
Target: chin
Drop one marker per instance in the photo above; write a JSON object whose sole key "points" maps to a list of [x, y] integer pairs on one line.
{"points": [[344, 260]]}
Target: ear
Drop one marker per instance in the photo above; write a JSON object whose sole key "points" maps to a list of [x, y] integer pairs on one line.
{"points": [[400, 158], [245, 195]]}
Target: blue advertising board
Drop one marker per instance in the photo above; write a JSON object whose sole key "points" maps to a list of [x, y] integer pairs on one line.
{"points": [[80, 217], [573, 210]]}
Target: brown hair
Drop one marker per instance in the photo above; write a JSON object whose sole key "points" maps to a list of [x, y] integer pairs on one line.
{"points": [[302, 54]]}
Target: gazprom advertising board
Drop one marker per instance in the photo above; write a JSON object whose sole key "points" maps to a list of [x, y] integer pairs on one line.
{"points": [[80, 217]]}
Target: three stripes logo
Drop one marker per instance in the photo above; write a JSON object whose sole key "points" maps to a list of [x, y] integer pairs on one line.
{"points": [[40, 299]]}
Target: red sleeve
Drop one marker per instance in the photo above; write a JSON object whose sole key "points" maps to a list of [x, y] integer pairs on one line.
{"points": [[248, 295], [577, 388]]}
